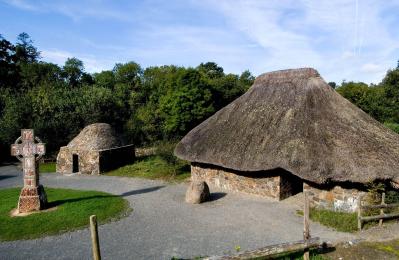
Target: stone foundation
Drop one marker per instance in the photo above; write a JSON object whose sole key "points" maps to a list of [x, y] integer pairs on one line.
{"points": [[32, 199], [334, 198], [277, 184]]}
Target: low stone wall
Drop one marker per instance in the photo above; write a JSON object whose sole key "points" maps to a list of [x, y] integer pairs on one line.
{"points": [[334, 198], [116, 157], [233, 181]]}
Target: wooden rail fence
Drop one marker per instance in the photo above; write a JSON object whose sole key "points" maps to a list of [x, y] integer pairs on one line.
{"points": [[361, 208]]}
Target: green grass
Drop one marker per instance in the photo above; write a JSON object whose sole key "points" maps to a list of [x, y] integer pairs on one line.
{"points": [[73, 210], [393, 126], [47, 167], [154, 167], [341, 221]]}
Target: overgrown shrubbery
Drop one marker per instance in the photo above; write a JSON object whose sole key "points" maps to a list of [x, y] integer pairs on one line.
{"points": [[165, 151]]}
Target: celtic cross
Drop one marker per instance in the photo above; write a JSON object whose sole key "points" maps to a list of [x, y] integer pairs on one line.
{"points": [[33, 196]]}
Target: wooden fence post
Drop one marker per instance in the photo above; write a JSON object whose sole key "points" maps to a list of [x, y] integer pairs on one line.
{"points": [[94, 238], [359, 213], [306, 232], [382, 210]]}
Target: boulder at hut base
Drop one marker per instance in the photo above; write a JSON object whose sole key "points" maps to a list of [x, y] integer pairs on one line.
{"points": [[197, 192]]}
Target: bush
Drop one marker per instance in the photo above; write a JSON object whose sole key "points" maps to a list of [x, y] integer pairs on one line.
{"points": [[392, 126], [165, 150]]}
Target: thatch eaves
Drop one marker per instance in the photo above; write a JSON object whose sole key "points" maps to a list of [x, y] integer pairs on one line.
{"points": [[292, 119]]}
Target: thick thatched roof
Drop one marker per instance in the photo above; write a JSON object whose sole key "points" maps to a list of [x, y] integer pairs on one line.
{"points": [[98, 136], [292, 119]]}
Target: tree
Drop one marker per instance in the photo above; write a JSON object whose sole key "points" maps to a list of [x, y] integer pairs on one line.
{"points": [[211, 70], [105, 79], [73, 71], [187, 105], [34, 74], [247, 79], [8, 68], [332, 84], [391, 85], [129, 73], [353, 91], [25, 52]]}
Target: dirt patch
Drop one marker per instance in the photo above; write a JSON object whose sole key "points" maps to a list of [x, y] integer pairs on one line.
{"points": [[365, 251], [16, 213]]}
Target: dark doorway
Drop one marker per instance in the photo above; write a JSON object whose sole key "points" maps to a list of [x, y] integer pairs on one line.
{"points": [[289, 184], [75, 163]]}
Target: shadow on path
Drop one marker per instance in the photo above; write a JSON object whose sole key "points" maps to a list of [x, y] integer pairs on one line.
{"points": [[217, 195], [141, 191], [2, 177]]}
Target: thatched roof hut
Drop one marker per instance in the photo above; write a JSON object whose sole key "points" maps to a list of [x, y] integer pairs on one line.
{"points": [[97, 148], [98, 136], [292, 119]]}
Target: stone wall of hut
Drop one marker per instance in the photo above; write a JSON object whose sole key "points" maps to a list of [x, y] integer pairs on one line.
{"points": [[94, 162], [88, 161], [335, 198], [116, 157], [269, 185]]}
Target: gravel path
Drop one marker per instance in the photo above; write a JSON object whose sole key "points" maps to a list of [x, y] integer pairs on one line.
{"points": [[162, 225]]}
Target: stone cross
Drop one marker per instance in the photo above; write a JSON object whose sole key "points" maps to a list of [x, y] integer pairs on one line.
{"points": [[32, 197]]}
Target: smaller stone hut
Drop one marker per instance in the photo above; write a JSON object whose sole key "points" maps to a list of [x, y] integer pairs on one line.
{"points": [[97, 148]]}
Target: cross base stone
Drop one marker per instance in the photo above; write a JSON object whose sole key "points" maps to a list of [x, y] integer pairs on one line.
{"points": [[32, 199]]}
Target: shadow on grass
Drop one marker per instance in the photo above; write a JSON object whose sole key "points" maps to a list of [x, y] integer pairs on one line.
{"points": [[129, 193], [141, 191], [60, 202]]}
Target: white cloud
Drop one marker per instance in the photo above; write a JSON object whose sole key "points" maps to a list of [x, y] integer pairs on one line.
{"points": [[91, 63], [335, 37], [343, 39], [76, 11], [372, 68]]}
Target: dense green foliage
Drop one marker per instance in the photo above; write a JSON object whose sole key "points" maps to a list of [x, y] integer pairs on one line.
{"points": [[146, 105], [380, 101], [74, 208]]}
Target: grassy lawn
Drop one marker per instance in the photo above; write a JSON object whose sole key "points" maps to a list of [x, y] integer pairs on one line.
{"points": [[340, 221], [154, 167], [47, 167], [73, 210]]}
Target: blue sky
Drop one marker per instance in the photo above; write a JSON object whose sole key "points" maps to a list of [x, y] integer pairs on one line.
{"points": [[344, 40]]}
